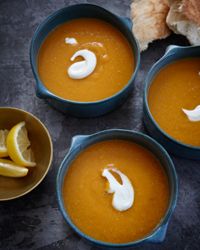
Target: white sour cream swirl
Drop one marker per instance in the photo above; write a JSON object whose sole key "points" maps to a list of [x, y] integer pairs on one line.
{"points": [[70, 40], [193, 115], [123, 196], [82, 69]]}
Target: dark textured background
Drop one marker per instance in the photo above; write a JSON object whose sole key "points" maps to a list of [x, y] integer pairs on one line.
{"points": [[34, 221]]}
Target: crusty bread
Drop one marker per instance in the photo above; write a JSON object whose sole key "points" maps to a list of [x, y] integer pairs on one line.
{"points": [[184, 18], [191, 9], [149, 20]]}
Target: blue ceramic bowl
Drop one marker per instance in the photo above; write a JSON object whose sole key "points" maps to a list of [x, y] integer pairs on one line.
{"points": [[172, 54], [82, 109], [79, 143]]}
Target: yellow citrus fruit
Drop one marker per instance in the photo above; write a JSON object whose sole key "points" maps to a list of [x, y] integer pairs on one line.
{"points": [[3, 148], [10, 169], [18, 146]]}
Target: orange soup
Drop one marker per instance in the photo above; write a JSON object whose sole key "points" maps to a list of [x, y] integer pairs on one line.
{"points": [[89, 205], [177, 87], [114, 55]]}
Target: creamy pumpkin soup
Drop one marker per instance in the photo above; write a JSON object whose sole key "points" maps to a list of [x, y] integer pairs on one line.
{"points": [[85, 60], [174, 99], [116, 191]]}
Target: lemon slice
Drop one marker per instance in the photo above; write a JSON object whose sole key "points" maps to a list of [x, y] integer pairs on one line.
{"points": [[3, 148], [10, 169], [18, 146]]}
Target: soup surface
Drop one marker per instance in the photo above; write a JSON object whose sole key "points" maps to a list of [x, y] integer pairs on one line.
{"points": [[115, 60], [90, 206], [175, 87]]}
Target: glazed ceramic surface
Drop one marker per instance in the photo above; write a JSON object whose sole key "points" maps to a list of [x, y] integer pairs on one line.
{"points": [[79, 143], [34, 221], [83, 109], [172, 54], [11, 188]]}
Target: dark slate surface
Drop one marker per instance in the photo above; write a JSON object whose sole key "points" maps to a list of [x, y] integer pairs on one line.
{"points": [[34, 221]]}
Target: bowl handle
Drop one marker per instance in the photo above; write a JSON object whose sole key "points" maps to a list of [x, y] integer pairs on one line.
{"points": [[128, 22], [159, 234], [172, 49], [77, 140]]}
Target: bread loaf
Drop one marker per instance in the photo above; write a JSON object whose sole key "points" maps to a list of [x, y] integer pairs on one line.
{"points": [[184, 18], [149, 20]]}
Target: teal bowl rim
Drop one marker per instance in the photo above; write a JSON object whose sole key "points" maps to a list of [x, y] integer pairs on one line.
{"points": [[40, 87], [171, 50], [164, 221]]}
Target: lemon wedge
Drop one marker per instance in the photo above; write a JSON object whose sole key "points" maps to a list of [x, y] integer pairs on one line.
{"points": [[3, 148], [18, 146], [10, 169]]}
